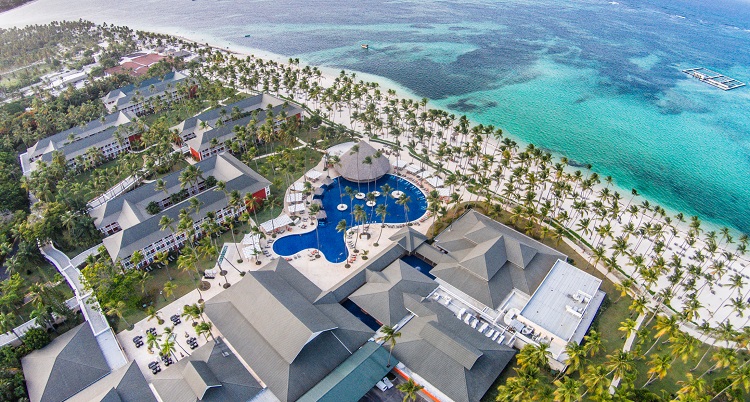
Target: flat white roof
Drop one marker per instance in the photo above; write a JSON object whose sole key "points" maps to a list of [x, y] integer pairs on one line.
{"points": [[560, 301]]}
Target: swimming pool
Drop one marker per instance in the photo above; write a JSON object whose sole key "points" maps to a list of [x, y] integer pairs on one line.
{"points": [[332, 244]]}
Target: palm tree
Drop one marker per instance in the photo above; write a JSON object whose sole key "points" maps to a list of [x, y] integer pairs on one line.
{"points": [[410, 389], [154, 315], [313, 210], [534, 355], [152, 341], [568, 390], [8, 323], [382, 212], [117, 308], [390, 336], [404, 201], [204, 329], [169, 288], [658, 368]]}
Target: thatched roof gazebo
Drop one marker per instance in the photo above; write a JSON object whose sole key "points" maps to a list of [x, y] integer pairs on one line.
{"points": [[363, 163]]}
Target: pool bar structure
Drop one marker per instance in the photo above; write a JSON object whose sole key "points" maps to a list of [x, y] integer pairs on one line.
{"points": [[713, 78]]}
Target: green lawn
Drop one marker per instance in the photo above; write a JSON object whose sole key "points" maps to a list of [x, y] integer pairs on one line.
{"points": [[183, 280]]}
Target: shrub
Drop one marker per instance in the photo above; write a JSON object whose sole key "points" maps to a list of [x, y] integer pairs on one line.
{"points": [[36, 338], [153, 208]]}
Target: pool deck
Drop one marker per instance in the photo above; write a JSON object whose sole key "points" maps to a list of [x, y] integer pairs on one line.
{"points": [[324, 273]]}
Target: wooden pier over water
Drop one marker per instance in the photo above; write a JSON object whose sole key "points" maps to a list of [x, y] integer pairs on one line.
{"points": [[713, 78]]}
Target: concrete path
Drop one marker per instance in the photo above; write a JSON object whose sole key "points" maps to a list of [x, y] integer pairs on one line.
{"points": [[626, 348], [90, 308]]}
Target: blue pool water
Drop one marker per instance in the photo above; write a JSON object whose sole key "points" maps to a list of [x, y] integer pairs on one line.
{"points": [[419, 264], [364, 317], [332, 242]]}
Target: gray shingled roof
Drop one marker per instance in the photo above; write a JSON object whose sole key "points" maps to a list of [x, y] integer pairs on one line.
{"points": [[70, 363], [285, 328], [203, 137], [353, 378], [458, 360], [408, 238], [486, 260], [125, 384], [141, 228], [354, 169], [382, 295], [60, 140], [124, 96], [212, 373]]}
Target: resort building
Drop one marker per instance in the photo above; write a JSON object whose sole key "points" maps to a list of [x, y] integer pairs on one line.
{"points": [[452, 359], [109, 136], [73, 368], [211, 373], [514, 284], [362, 163], [288, 331], [136, 64], [173, 87], [209, 132], [130, 226]]}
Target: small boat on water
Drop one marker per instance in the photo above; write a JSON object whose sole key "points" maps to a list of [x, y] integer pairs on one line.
{"points": [[365, 46], [247, 36]]}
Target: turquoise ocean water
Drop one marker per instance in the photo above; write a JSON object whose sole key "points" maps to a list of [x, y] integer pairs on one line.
{"points": [[596, 81]]}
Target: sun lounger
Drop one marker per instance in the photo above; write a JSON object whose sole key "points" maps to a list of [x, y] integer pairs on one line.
{"points": [[489, 333], [461, 313], [474, 323], [494, 337], [483, 327], [500, 341], [468, 318]]}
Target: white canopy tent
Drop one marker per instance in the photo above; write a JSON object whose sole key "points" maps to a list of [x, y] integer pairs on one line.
{"points": [[400, 164], [424, 175], [280, 222], [293, 198], [435, 181], [296, 208], [298, 186], [413, 169], [444, 192], [251, 238], [251, 251], [313, 174]]}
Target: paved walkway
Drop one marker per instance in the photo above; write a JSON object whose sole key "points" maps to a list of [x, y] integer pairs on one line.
{"points": [[90, 308], [626, 348], [119, 188]]}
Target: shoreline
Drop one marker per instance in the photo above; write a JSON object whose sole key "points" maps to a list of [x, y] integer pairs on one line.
{"points": [[330, 73]]}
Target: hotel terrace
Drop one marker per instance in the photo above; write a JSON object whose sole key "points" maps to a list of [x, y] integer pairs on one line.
{"points": [[111, 135], [129, 226], [133, 98], [208, 133]]}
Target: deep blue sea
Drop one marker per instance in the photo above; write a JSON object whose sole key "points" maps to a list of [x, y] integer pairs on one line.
{"points": [[597, 81]]}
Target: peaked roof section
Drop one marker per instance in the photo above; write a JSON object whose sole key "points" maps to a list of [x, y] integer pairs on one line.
{"points": [[125, 384], [122, 97], [353, 378], [458, 360], [203, 136], [61, 139], [212, 373], [408, 238], [139, 228], [382, 295], [354, 169], [70, 363], [486, 260], [285, 328]]}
